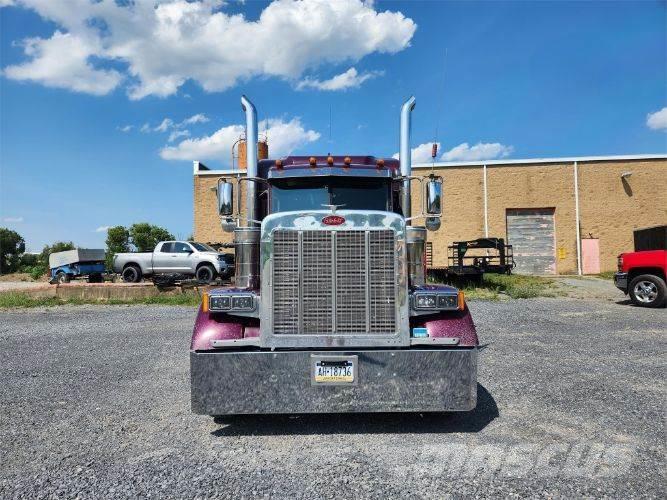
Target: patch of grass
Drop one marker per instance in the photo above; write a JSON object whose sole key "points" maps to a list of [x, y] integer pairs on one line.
{"points": [[607, 275], [23, 300], [494, 286]]}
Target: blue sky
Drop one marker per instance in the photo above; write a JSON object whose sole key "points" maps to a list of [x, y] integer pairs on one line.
{"points": [[82, 79]]}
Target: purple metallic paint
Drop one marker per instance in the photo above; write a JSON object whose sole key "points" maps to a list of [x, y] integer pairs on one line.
{"points": [[221, 326], [454, 324]]}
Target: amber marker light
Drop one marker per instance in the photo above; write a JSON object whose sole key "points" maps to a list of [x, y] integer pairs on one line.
{"points": [[330, 160], [380, 163], [204, 302], [279, 164], [347, 161], [461, 303], [312, 161]]}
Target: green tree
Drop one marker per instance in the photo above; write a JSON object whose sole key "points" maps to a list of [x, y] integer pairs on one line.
{"points": [[12, 246], [118, 241], [145, 236]]}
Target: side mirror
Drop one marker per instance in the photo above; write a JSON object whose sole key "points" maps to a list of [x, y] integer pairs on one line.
{"points": [[433, 196], [225, 198]]}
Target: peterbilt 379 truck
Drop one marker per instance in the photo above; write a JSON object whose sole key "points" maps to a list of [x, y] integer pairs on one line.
{"points": [[330, 311]]}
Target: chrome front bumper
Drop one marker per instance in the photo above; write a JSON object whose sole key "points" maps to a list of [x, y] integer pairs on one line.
{"points": [[405, 380]]}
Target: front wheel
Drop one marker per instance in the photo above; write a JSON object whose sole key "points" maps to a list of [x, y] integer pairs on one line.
{"points": [[648, 290], [205, 274]]}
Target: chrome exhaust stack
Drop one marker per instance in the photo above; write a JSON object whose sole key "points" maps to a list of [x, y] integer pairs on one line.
{"points": [[251, 159], [246, 239], [416, 236], [405, 155]]}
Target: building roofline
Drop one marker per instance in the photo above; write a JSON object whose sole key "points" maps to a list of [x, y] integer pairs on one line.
{"points": [[533, 161], [201, 169]]}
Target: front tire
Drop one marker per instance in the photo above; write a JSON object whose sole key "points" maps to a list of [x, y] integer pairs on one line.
{"points": [[648, 290], [131, 274], [205, 274]]}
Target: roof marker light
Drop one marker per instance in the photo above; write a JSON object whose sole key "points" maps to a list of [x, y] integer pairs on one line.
{"points": [[279, 164], [312, 161], [379, 163], [330, 160], [347, 161]]}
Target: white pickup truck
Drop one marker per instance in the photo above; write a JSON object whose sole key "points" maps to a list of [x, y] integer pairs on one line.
{"points": [[175, 257]]}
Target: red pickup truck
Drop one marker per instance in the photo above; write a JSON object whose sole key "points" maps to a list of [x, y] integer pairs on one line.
{"points": [[641, 274]]}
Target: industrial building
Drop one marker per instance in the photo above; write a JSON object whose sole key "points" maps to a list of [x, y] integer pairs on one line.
{"points": [[562, 215]]}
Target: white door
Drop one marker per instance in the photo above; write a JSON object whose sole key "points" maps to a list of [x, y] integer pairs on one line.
{"points": [[164, 259], [182, 257]]}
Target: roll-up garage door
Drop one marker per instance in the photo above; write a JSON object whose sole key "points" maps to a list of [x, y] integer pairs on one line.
{"points": [[531, 232]]}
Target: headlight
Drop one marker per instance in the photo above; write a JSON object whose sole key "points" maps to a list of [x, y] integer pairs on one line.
{"points": [[243, 303], [426, 301], [219, 303], [438, 301], [448, 301], [231, 303]]}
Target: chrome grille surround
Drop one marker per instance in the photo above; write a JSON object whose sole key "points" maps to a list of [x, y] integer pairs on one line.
{"points": [[333, 286]]}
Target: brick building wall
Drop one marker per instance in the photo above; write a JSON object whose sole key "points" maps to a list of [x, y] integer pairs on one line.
{"points": [[610, 208]]}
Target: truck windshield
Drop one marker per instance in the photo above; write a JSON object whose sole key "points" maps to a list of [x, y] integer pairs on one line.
{"points": [[202, 247], [310, 194]]}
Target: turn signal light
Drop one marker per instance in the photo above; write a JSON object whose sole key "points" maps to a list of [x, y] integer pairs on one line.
{"points": [[461, 301], [204, 302]]}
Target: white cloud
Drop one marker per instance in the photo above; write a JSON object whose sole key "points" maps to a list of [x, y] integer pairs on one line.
{"points": [[145, 128], [125, 128], [62, 61], [175, 134], [198, 118], [12, 219], [657, 120], [348, 80], [102, 229], [421, 154], [462, 152], [166, 124], [480, 151], [284, 137], [162, 44]]}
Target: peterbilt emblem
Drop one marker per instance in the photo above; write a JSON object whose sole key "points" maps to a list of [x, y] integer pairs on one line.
{"points": [[333, 220]]}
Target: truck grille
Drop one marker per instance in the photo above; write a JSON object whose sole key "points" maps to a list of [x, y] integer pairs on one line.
{"points": [[334, 282]]}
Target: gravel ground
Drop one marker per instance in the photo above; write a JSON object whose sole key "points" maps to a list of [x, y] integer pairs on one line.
{"points": [[571, 403]]}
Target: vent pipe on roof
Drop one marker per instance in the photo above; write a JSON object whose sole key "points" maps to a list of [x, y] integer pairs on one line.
{"points": [[251, 158], [405, 154]]}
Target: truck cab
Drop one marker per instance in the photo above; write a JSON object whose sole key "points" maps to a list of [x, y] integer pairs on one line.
{"points": [[330, 311]]}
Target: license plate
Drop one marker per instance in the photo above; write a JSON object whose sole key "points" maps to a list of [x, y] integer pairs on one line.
{"points": [[334, 370]]}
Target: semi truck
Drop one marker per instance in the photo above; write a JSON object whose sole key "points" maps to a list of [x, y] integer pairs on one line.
{"points": [[331, 311]]}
